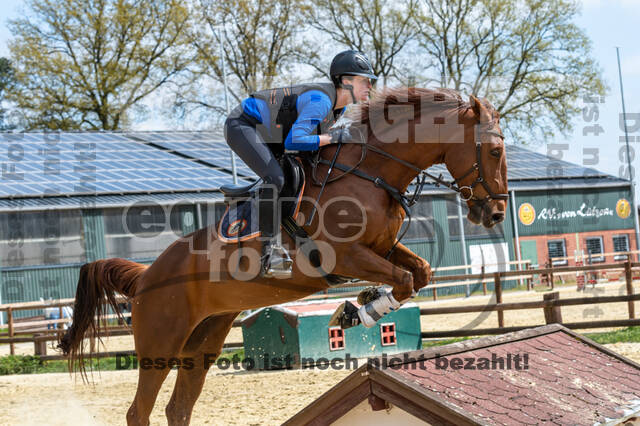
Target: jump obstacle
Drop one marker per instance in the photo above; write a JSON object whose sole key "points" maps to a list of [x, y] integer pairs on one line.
{"points": [[565, 379]]}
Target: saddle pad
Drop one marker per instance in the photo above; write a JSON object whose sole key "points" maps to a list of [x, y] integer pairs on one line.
{"points": [[240, 221]]}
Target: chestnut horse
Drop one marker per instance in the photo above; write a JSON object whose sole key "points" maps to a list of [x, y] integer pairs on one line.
{"points": [[184, 304]]}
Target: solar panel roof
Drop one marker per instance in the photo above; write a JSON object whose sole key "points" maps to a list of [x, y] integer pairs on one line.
{"points": [[104, 201], [47, 164], [101, 163], [209, 147], [529, 165]]}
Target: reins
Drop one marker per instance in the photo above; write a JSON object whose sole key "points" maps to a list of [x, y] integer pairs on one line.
{"points": [[404, 200]]}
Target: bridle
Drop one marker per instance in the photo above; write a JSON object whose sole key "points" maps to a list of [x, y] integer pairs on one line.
{"points": [[404, 200], [477, 166], [466, 192]]}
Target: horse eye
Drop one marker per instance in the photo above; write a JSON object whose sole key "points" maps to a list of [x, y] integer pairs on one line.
{"points": [[496, 152]]}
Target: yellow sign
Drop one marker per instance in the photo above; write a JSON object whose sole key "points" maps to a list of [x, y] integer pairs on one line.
{"points": [[526, 213], [623, 208]]}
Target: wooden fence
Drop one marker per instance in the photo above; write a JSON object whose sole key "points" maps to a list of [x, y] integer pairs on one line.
{"points": [[551, 304]]}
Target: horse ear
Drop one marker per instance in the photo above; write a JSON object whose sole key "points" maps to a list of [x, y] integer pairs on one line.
{"points": [[483, 114]]}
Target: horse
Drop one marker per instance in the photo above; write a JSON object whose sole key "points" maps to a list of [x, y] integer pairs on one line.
{"points": [[179, 310]]}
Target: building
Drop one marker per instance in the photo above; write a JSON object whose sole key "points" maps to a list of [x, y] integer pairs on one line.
{"points": [[70, 198]]}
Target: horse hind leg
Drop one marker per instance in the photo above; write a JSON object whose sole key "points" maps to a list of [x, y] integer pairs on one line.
{"points": [[202, 348], [149, 383], [155, 350]]}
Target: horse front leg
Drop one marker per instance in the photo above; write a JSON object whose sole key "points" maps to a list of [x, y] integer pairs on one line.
{"points": [[419, 267], [404, 258], [365, 264]]}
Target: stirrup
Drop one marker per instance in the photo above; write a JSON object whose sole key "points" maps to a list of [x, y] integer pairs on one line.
{"points": [[276, 263]]}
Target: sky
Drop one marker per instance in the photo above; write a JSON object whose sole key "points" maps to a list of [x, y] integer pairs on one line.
{"points": [[609, 24]]}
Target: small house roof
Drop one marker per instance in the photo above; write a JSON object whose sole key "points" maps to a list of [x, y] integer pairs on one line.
{"points": [[569, 379]]}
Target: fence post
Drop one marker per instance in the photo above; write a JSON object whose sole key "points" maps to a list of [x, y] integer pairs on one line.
{"points": [[552, 314], [435, 293], [484, 284], [12, 349], [629, 279], [551, 275], [529, 279], [60, 326], [497, 286], [40, 345]]}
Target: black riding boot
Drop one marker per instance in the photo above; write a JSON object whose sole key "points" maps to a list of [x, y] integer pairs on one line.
{"points": [[276, 262]]}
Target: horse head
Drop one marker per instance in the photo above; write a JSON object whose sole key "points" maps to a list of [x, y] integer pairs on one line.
{"points": [[418, 127], [479, 165]]}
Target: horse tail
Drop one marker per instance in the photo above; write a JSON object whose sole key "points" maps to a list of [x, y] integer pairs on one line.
{"points": [[97, 285]]}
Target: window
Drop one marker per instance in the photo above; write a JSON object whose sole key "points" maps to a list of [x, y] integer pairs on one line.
{"points": [[422, 221], [141, 232], [336, 338], [471, 230], [594, 247], [620, 243], [557, 248], [388, 334], [46, 237]]}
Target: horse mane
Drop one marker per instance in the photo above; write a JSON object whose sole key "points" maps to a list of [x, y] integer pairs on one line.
{"points": [[417, 100]]}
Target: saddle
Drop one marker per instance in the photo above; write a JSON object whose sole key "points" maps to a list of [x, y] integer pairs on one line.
{"points": [[240, 220]]}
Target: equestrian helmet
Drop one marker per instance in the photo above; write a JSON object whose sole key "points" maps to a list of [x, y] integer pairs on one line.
{"points": [[350, 62]]}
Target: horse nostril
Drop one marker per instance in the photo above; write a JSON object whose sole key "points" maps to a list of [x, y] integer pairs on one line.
{"points": [[498, 217]]}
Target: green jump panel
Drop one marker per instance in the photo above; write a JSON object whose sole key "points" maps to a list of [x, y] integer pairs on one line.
{"points": [[298, 335]]}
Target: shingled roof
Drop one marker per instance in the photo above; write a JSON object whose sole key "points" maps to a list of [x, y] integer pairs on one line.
{"points": [[569, 379]]}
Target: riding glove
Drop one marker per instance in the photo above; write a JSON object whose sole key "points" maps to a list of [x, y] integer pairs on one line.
{"points": [[341, 134]]}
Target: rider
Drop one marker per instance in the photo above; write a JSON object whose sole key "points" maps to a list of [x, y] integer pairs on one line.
{"points": [[293, 118]]}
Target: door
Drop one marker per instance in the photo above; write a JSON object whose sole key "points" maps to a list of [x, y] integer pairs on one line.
{"points": [[529, 251]]}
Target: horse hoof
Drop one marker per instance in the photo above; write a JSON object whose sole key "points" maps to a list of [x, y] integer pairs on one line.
{"points": [[369, 294], [345, 316]]}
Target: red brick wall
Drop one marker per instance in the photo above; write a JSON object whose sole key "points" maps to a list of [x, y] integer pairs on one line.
{"points": [[570, 243]]}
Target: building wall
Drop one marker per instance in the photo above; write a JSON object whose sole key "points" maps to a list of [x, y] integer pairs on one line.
{"points": [[441, 245], [24, 282], [433, 238], [572, 245], [565, 211]]}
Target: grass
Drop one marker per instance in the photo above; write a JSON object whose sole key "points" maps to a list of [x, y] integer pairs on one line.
{"points": [[629, 334], [433, 343], [28, 364]]}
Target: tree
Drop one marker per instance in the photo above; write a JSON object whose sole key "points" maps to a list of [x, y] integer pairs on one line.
{"points": [[526, 56], [378, 28], [83, 64], [6, 80], [260, 43]]}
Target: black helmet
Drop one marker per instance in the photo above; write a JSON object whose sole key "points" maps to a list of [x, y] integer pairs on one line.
{"points": [[350, 62]]}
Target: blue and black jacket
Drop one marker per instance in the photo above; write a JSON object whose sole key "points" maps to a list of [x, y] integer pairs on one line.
{"points": [[295, 115]]}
